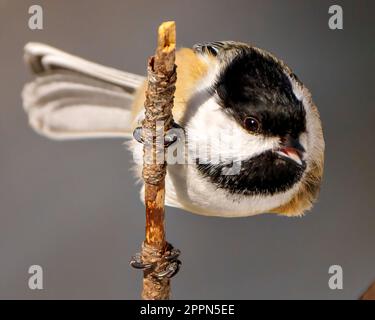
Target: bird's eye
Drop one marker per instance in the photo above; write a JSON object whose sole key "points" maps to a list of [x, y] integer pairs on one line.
{"points": [[252, 124]]}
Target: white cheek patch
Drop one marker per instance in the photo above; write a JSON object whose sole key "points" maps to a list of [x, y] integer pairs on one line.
{"points": [[215, 137]]}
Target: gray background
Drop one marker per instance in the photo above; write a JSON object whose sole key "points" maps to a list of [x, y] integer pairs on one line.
{"points": [[72, 207]]}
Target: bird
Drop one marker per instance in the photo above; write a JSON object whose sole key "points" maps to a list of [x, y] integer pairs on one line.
{"points": [[250, 128]]}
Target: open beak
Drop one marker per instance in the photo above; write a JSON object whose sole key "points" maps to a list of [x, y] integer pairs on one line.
{"points": [[290, 148]]}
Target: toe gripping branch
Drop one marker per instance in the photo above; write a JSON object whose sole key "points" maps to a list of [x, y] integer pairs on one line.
{"points": [[171, 136], [159, 264]]}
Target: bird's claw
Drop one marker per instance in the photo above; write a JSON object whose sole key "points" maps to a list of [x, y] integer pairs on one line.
{"points": [[170, 270], [136, 263], [170, 137]]}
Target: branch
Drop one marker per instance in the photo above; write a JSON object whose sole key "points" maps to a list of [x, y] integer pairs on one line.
{"points": [[158, 110]]}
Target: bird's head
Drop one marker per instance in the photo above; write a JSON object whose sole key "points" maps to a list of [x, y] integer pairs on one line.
{"points": [[252, 104]]}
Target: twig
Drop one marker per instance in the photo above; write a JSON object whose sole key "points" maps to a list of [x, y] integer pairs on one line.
{"points": [[369, 294], [158, 108]]}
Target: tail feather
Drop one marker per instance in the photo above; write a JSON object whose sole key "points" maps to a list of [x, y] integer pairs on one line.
{"points": [[72, 98]]}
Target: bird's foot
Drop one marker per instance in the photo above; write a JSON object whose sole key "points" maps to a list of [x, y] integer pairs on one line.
{"points": [[166, 267], [170, 137]]}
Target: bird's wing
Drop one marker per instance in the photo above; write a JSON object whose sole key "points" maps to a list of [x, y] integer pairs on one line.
{"points": [[72, 98]]}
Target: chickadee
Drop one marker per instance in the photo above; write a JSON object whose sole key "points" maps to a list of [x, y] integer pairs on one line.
{"points": [[276, 141]]}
